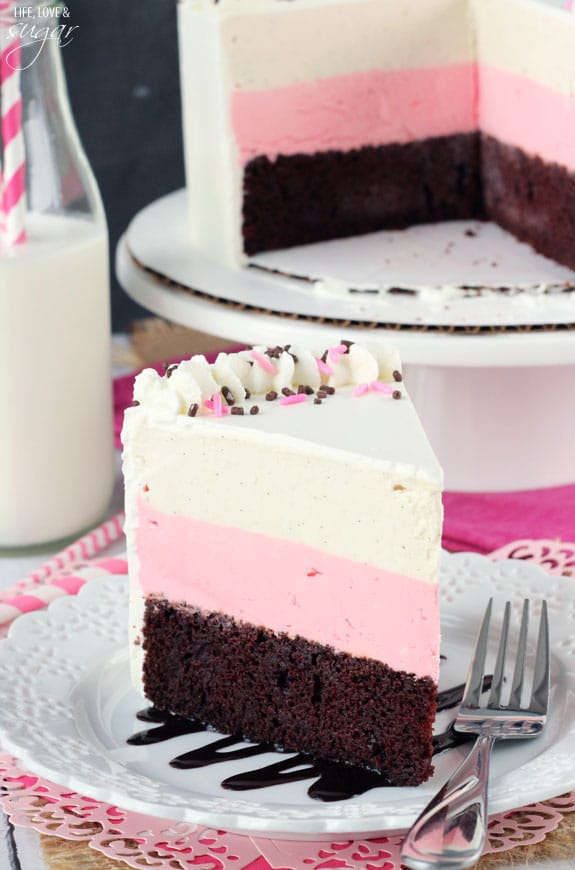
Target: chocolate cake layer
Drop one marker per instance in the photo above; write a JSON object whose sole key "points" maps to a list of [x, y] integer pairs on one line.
{"points": [[309, 198], [299, 695], [532, 199]]}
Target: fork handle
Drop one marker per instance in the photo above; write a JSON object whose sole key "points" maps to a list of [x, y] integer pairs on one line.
{"points": [[450, 832]]}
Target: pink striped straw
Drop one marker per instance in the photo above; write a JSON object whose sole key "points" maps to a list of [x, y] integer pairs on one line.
{"points": [[69, 584], [13, 201], [85, 548]]}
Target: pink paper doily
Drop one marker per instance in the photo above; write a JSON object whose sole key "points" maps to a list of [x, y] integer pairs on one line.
{"points": [[556, 557], [145, 841]]}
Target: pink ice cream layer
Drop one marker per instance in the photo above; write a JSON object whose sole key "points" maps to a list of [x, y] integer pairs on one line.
{"points": [[527, 114], [352, 111], [289, 587], [381, 107]]}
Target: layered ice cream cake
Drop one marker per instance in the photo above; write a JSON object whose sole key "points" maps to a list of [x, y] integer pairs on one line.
{"points": [[283, 528], [319, 119]]}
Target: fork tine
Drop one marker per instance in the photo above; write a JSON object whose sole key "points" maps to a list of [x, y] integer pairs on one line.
{"points": [[474, 682], [540, 694], [519, 671], [497, 684]]}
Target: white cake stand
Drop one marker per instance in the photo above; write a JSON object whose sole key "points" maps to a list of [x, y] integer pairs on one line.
{"points": [[492, 374]]}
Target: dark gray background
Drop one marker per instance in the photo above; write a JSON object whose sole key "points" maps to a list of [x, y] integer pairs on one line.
{"points": [[122, 71]]}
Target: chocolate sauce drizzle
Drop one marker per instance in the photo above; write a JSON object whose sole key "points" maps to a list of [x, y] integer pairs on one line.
{"points": [[333, 781]]}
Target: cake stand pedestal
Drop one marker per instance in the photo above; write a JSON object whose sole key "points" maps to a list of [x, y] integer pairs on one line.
{"points": [[496, 397]]}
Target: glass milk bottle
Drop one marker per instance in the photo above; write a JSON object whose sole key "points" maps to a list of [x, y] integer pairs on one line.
{"points": [[56, 432]]}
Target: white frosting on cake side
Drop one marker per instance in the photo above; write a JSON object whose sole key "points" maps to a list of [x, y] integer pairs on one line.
{"points": [[213, 173]]}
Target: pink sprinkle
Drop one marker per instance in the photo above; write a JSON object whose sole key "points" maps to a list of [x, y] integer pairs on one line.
{"points": [[217, 405], [265, 362], [296, 399], [380, 387], [323, 367], [360, 390], [336, 352]]}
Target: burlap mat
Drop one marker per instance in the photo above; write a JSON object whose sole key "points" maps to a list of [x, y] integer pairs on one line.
{"points": [[560, 844]]}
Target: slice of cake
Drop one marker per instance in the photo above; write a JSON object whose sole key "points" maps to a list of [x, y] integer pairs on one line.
{"points": [[283, 527], [320, 119]]}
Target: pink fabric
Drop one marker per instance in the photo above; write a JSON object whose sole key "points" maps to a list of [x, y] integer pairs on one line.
{"points": [[483, 522], [477, 522]]}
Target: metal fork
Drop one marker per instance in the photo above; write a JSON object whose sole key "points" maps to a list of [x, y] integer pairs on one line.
{"points": [[450, 832]]}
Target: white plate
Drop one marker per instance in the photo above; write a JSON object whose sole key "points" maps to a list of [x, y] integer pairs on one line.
{"points": [[67, 707]]}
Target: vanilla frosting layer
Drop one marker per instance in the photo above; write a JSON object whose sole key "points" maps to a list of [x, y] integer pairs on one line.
{"points": [[365, 611], [355, 110], [274, 44], [287, 488], [529, 39]]}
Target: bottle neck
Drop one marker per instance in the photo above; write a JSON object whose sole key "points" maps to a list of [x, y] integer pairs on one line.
{"points": [[58, 177]]}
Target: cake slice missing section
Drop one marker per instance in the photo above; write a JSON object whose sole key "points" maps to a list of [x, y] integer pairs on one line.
{"points": [[284, 561]]}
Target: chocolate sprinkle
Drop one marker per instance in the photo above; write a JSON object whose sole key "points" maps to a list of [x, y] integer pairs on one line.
{"points": [[274, 352], [254, 409], [135, 403], [287, 392], [228, 395], [397, 394], [170, 369], [193, 410], [329, 390], [247, 393], [237, 410], [322, 394], [348, 344], [271, 396], [397, 376], [317, 401]]}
